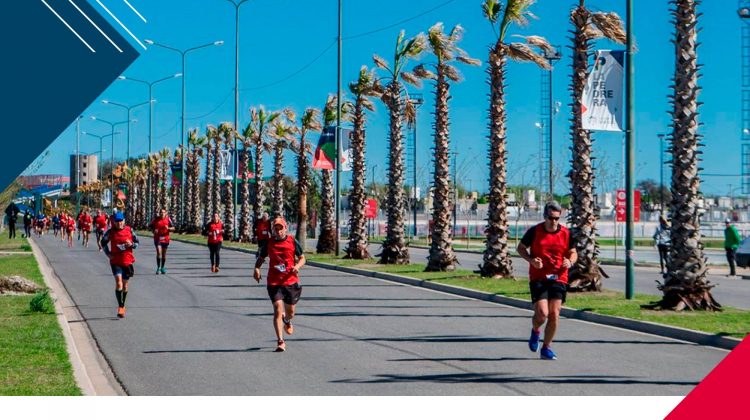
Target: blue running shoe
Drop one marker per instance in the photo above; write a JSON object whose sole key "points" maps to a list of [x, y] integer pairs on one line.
{"points": [[163, 270], [534, 341], [547, 354]]}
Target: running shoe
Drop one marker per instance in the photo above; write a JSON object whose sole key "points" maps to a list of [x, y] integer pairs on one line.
{"points": [[547, 354], [121, 312], [288, 327], [281, 346], [534, 341], [157, 271], [163, 270]]}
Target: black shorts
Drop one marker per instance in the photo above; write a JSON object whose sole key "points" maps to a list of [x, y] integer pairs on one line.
{"points": [[549, 290], [289, 294], [127, 271], [161, 244]]}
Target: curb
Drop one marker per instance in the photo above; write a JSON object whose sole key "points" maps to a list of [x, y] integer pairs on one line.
{"points": [[92, 373], [691, 336]]}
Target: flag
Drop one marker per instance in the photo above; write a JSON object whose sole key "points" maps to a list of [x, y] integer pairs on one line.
{"points": [[325, 155], [226, 164], [603, 94]]}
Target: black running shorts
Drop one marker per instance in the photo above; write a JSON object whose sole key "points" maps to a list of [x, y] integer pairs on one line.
{"points": [[547, 290], [289, 294], [127, 271]]}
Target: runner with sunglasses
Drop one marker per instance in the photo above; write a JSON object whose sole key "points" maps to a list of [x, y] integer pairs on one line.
{"points": [[550, 253]]}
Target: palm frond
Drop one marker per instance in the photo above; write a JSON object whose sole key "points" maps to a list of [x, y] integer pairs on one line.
{"points": [[411, 79], [491, 10], [516, 12], [470, 61], [538, 41], [610, 25], [380, 62], [452, 73], [422, 72], [521, 52]]}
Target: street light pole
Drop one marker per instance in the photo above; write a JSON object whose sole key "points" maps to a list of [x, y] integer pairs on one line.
{"points": [[629, 157], [78, 163], [129, 109], [551, 58], [101, 151], [236, 100], [338, 128], [416, 100], [183, 53], [112, 168]]}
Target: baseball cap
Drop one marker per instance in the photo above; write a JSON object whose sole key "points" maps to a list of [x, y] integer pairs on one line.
{"points": [[118, 217], [728, 221], [279, 221]]}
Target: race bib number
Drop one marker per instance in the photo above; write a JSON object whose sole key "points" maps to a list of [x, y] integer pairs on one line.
{"points": [[552, 277], [281, 268], [265, 232], [122, 247], [162, 238]]}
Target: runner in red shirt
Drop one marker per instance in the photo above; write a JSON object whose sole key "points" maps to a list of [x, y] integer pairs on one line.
{"points": [[69, 229], [215, 232], [79, 221], [100, 222], [161, 226], [263, 229], [63, 226], [86, 223], [550, 253], [123, 241], [283, 287]]}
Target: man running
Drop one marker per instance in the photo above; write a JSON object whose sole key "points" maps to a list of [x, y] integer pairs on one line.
{"points": [[215, 232], [41, 220], [79, 222], [263, 229], [27, 220], [550, 253], [86, 223], [283, 287], [56, 224], [121, 258], [69, 229], [161, 226], [100, 222]]}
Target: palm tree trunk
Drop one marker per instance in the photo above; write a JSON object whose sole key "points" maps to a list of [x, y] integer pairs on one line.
{"points": [[357, 196], [327, 238], [496, 259], [585, 274], [244, 230], [216, 194], [196, 224], [394, 246], [259, 187], [208, 202], [442, 257], [303, 169], [188, 174], [686, 285], [277, 208]]}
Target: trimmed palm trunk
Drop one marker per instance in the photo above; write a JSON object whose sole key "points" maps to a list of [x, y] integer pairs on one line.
{"points": [[303, 182], [207, 203], [195, 193], [277, 203], [260, 185], [327, 238], [357, 248], [496, 260], [395, 250], [216, 198], [244, 228], [686, 285], [441, 257]]}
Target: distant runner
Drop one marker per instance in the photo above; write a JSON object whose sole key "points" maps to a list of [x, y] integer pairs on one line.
{"points": [[121, 258], [100, 223], [283, 287], [161, 226], [85, 226], [263, 229], [550, 253], [215, 232], [69, 229]]}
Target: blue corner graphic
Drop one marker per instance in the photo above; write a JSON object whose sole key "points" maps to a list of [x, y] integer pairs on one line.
{"points": [[59, 56]]}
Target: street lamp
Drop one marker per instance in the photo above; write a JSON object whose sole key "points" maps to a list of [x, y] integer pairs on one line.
{"points": [[128, 108], [150, 126], [237, 5], [183, 53], [101, 148], [112, 168]]}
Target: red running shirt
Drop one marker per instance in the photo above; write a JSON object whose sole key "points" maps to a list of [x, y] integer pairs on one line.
{"points": [[215, 232], [551, 247], [101, 222], [263, 230], [161, 225], [118, 253], [281, 258]]}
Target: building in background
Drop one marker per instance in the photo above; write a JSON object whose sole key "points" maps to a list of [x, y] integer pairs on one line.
{"points": [[89, 170]]}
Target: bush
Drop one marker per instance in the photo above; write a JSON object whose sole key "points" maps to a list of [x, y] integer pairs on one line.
{"points": [[42, 302]]}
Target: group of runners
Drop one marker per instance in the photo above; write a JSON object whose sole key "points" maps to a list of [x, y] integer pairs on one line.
{"points": [[547, 247]]}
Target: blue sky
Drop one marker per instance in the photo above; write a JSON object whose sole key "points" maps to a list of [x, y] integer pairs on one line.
{"points": [[280, 40]]}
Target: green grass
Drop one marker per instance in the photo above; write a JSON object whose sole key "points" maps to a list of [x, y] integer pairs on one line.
{"points": [[33, 360], [18, 244]]}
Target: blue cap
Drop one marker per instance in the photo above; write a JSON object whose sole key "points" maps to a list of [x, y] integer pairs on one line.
{"points": [[118, 216]]}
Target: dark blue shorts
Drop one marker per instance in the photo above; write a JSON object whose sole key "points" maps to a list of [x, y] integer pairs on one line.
{"points": [[547, 290], [125, 271]]}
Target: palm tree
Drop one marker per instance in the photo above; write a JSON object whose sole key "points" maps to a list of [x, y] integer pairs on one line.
{"points": [[585, 275], [244, 229], [446, 50], [225, 136], [142, 183], [366, 86], [261, 121], [327, 239], [163, 167], [686, 285], [308, 123], [175, 192], [282, 132], [395, 250], [496, 261], [192, 182], [209, 199]]}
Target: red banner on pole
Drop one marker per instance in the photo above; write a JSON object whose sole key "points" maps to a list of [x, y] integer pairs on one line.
{"points": [[372, 208], [621, 205]]}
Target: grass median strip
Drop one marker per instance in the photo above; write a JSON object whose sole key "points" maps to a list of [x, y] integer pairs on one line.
{"points": [[731, 322], [34, 359]]}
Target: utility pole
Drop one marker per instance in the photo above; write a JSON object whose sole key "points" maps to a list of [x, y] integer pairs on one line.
{"points": [[338, 131], [416, 100], [629, 158]]}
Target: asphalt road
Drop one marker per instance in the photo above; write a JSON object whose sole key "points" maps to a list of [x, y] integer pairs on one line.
{"points": [[193, 332]]}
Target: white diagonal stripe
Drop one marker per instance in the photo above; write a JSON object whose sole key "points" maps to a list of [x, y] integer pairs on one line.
{"points": [[97, 28], [136, 12], [123, 26], [66, 24]]}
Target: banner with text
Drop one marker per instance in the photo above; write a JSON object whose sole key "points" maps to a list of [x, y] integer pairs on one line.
{"points": [[603, 94]]}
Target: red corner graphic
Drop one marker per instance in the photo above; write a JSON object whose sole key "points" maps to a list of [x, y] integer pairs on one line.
{"points": [[722, 394]]}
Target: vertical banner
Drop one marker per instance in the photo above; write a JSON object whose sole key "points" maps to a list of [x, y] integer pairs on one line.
{"points": [[226, 164], [176, 173], [250, 170], [325, 154], [346, 149], [603, 93]]}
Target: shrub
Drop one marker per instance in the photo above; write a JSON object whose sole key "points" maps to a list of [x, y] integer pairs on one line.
{"points": [[42, 302]]}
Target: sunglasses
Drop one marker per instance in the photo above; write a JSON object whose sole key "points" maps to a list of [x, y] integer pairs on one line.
{"points": [[553, 218]]}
